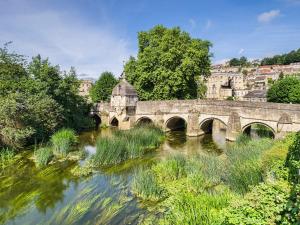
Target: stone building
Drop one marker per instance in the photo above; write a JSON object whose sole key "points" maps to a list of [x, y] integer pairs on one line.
{"points": [[85, 86]]}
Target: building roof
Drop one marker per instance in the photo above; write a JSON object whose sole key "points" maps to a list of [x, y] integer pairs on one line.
{"points": [[123, 88], [256, 94]]}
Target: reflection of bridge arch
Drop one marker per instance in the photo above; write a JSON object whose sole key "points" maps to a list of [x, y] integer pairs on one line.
{"points": [[247, 128], [206, 125], [114, 122], [144, 120], [176, 123]]}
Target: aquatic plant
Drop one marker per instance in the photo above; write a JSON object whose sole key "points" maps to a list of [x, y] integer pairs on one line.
{"points": [[62, 141], [173, 168], [43, 156], [242, 139], [110, 151], [187, 208], [81, 171], [6, 156], [145, 186], [244, 166], [125, 145]]}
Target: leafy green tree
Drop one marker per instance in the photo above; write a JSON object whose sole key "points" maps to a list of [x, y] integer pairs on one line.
{"points": [[36, 99], [101, 90], [285, 90], [168, 64], [63, 88], [284, 59]]}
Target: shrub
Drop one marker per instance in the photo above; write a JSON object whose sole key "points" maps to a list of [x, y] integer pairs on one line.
{"points": [[145, 186], [43, 156], [63, 141], [262, 205], [293, 160]]}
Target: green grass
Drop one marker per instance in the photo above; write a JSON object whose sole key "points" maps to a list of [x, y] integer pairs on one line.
{"points": [[124, 145], [173, 168], [204, 209], [145, 186], [43, 156], [110, 151], [6, 156], [244, 165], [63, 141]]}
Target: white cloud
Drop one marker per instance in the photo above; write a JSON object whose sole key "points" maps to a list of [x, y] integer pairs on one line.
{"points": [[241, 51], [193, 23], [208, 24], [66, 40], [267, 17]]}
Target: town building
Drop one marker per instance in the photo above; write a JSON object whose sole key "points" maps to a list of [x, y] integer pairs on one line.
{"points": [[236, 83]]}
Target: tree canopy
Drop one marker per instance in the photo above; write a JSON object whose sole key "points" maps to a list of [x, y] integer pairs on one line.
{"points": [[168, 64], [243, 61], [101, 90], [36, 99], [285, 90], [284, 59]]}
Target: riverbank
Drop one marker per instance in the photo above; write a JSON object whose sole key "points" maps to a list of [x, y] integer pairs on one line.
{"points": [[184, 179]]}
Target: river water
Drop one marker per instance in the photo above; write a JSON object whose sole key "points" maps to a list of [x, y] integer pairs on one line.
{"points": [[29, 195]]}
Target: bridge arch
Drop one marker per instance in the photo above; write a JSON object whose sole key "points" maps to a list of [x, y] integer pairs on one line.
{"points": [[144, 120], [175, 123], [207, 124], [114, 122], [97, 119], [262, 129]]}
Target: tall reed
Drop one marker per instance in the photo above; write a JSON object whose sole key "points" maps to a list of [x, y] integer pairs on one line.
{"points": [[145, 185], [244, 165], [125, 145], [63, 141], [43, 156]]}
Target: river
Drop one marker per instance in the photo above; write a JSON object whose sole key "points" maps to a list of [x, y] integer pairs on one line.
{"points": [[29, 195]]}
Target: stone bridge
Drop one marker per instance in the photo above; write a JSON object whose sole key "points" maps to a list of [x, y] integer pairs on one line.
{"points": [[195, 116], [198, 115]]}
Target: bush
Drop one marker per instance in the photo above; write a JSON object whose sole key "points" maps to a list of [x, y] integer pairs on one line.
{"points": [[43, 156], [145, 186], [63, 141], [262, 205], [293, 160]]}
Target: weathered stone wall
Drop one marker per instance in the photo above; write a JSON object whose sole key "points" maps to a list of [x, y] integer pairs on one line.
{"points": [[236, 115]]}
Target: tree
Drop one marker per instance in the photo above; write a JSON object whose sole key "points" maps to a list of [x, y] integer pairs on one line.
{"points": [[36, 99], [101, 90], [285, 90], [243, 61], [168, 64], [284, 59]]}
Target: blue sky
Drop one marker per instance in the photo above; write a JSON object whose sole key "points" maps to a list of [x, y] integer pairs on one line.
{"points": [[95, 36]]}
